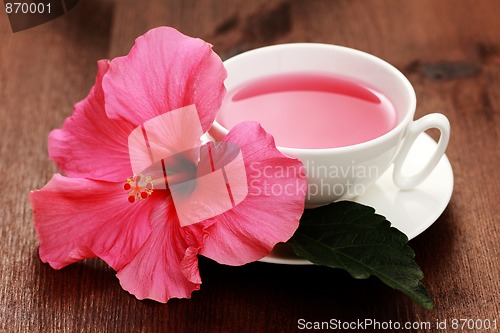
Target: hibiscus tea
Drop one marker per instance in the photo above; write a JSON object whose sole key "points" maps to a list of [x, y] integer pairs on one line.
{"points": [[311, 110]]}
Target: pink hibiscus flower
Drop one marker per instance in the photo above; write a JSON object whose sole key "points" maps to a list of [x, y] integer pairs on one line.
{"points": [[132, 220]]}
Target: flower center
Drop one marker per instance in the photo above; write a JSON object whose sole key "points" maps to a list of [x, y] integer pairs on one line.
{"points": [[140, 187]]}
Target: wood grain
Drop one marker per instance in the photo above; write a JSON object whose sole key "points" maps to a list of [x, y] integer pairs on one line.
{"points": [[450, 51]]}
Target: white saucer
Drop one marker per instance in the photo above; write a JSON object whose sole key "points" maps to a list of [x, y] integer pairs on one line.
{"points": [[410, 211]]}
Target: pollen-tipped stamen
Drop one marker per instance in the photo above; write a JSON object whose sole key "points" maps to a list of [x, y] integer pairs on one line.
{"points": [[140, 187]]}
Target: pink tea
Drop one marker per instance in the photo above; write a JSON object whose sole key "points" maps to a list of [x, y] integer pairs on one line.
{"points": [[311, 110]]}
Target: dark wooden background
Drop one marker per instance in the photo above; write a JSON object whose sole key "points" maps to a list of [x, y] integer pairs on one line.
{"points": [[450, 51]]}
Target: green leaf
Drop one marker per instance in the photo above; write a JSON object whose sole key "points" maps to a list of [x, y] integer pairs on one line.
{"points": [[351, 236]]}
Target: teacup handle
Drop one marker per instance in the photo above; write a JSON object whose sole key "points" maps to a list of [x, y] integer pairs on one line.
{"points": [[433, 120]]}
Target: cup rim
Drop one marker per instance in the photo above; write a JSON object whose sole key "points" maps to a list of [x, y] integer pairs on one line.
{"points": [[359, 146]]}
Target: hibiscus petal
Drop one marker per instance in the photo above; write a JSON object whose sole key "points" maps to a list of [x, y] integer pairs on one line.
{"points": [[271, 211], [90, 145], [172, 134], [167, 264], [219, 185], [164, 71], [77, 219]]}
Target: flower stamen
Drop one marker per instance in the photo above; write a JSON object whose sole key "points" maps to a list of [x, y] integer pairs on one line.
{"points": [[140, 187]]}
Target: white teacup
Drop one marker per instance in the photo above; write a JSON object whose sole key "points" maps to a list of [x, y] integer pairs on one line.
{"points": [[345, 172]]}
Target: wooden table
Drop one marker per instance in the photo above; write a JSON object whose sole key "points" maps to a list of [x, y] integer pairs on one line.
{"points": [[450, 51]]}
